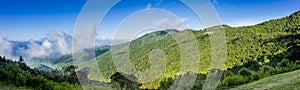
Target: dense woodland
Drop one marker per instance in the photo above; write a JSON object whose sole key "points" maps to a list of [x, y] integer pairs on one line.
{"points": [[18, 74], [253, 53]]}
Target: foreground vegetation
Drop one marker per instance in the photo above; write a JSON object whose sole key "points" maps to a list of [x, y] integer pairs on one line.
{"points": [[18, 74]]}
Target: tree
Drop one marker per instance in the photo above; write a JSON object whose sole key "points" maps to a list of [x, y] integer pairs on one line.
{"points": [[21, 59], [166, 83], [4, 58], [3, 74], [22, 64], [245, 72], [70, 69], [293, 22], [123, 81], [284, 63], [20, 80], [70, 72]]}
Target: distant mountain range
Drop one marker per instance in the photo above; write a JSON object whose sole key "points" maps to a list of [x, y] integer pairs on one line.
{"points": [[64, 60], [54, 45], [43, 67]]}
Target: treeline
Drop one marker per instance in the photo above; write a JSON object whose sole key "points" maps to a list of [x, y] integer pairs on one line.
{"points": [[18, 74]]}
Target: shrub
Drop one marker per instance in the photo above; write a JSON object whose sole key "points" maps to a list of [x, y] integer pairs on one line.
{"points": [[245, 72], [234, 80], [20, 80]]}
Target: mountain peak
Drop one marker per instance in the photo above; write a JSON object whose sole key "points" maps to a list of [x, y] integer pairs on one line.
{"points": [[294, 20]]}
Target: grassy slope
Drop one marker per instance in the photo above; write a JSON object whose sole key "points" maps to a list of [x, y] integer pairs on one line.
{"points": [[11, 87], [285, 81]]}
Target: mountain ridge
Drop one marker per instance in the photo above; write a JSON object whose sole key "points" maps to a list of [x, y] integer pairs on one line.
{"points": [[263, 43], [246, 43]]}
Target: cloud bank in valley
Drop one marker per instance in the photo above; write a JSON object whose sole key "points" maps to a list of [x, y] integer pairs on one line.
{"points": [[5, 47], [54, 44]]}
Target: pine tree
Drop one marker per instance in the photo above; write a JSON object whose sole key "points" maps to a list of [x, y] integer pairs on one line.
{"points": [[21, 59], [1, 59]]}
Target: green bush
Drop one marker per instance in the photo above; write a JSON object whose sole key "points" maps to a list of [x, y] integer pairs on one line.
{"points": [[234, 80], [245, 72], [20, 80]]}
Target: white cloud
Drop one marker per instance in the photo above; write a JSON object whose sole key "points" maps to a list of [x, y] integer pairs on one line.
{"points": [[47, 44], [149, 5], [36, 50], [62, 42], [5, 47], [84, 38], [55, 43], [163, 23], [167, 23]]}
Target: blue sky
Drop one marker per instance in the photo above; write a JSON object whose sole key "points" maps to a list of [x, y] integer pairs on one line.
{"points": [[33, 19]]}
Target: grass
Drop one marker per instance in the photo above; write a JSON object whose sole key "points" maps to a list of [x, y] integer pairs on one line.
{"points": [[285, 81], [3, 86]]}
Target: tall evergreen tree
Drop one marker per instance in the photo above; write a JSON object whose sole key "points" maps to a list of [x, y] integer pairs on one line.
{"points": [[1, 59], [21, 59]]}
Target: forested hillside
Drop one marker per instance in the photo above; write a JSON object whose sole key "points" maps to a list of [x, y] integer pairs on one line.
{"points": [[253, 52], [15, 74], [18, 74]]}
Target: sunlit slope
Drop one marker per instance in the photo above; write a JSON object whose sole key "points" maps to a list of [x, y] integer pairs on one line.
{"points": [[260, 42]]}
